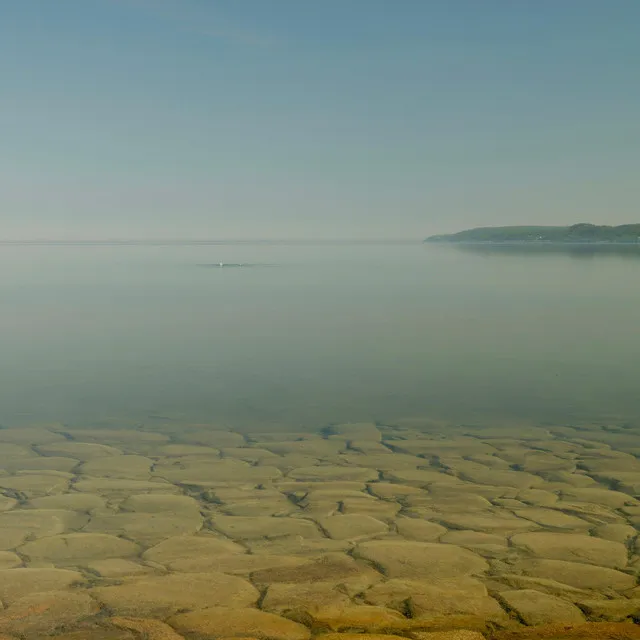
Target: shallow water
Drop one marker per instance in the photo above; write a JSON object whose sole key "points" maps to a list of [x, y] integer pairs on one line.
{"points": [[329, 334], [389, 439]]}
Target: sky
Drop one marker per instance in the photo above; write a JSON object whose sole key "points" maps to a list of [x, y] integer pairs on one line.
{"points": [[316, 119]]}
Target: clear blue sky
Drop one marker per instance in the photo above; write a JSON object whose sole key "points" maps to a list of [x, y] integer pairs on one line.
{"points": [[326, 118]]}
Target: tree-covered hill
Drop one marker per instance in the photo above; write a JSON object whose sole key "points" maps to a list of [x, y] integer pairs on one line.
{"points": [[577, 233]]}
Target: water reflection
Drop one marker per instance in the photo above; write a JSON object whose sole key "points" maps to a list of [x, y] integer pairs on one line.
{"points": [[631, 251]]}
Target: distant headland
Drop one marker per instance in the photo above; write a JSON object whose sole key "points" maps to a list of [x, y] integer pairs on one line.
{"points": [[582, 233]]}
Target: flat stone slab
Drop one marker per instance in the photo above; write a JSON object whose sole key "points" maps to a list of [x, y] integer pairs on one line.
{"points": [[282, 598], [9, 560], [420, 477], [239, 564], [362, 636], [250, 454], [179, 450], [617, 610], [368, 447], [44, 613], [124, 466], [18, 525], [499, 477], [161, 503], [350, 617], [578, 575], [182, 552], [73, 548], [208, 473], [573, 547], [379, 509], [297, 487], [164, 595], [510, 582], [18, 583], [455, 634], [40, 463], [260, 506], [537, 497], [119, 487], [490, 522], [316, 448], [33, 484], [356, 431], [616, 532], [408, 559], [596, 514], [295, 545], [111, 436], [352, 527], [7, 503], [116, 568], [73, 501], [9, 451], [81, 451], [437, 598], [219, 622], [353, 474], [459, 501], [393, 491], [605, 497], [242, 528], [439, 447], [474, 539], [553, 519], [146, 528], [537, 608], [146, 628], [333, 567], [419, 530], [386, 461]]}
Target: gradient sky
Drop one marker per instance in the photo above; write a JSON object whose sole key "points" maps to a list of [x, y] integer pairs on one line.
{"points": [[325, 118]]}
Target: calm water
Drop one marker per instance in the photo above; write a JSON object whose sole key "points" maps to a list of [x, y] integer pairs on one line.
{"points": [[327, 334]]}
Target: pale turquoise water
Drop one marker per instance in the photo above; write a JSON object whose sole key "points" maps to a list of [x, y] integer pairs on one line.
{"points": [[329, 334]]}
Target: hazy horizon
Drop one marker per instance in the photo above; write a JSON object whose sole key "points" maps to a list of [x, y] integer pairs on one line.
{"points": [[189, 119]]}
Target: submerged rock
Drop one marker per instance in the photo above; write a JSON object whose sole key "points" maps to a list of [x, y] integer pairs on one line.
{"points": [[221, 622], [576, 574], [73, 548], [18, 525], [405, 559], [352, 527], [536, 608], [284, 597], [18, 583], [182, 552], [45, 612], [160, 596], [573, 547]]}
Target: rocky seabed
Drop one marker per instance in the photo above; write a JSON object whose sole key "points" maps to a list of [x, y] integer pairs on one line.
{"points": [[416, 530]]}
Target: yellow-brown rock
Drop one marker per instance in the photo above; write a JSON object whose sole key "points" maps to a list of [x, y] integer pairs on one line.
{"points": [[408, 559], [221, 622], [160, 596], [364, 618], [147, 628], [46, 611], [18, 583]]}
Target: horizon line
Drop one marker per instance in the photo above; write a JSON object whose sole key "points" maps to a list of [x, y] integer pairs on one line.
{"points": [[207, 241]]}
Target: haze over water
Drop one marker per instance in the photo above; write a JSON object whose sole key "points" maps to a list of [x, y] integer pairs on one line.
{"points": [[316, 335]]}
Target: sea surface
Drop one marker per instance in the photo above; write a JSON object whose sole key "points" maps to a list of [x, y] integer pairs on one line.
{"points": [[318, 334]]}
